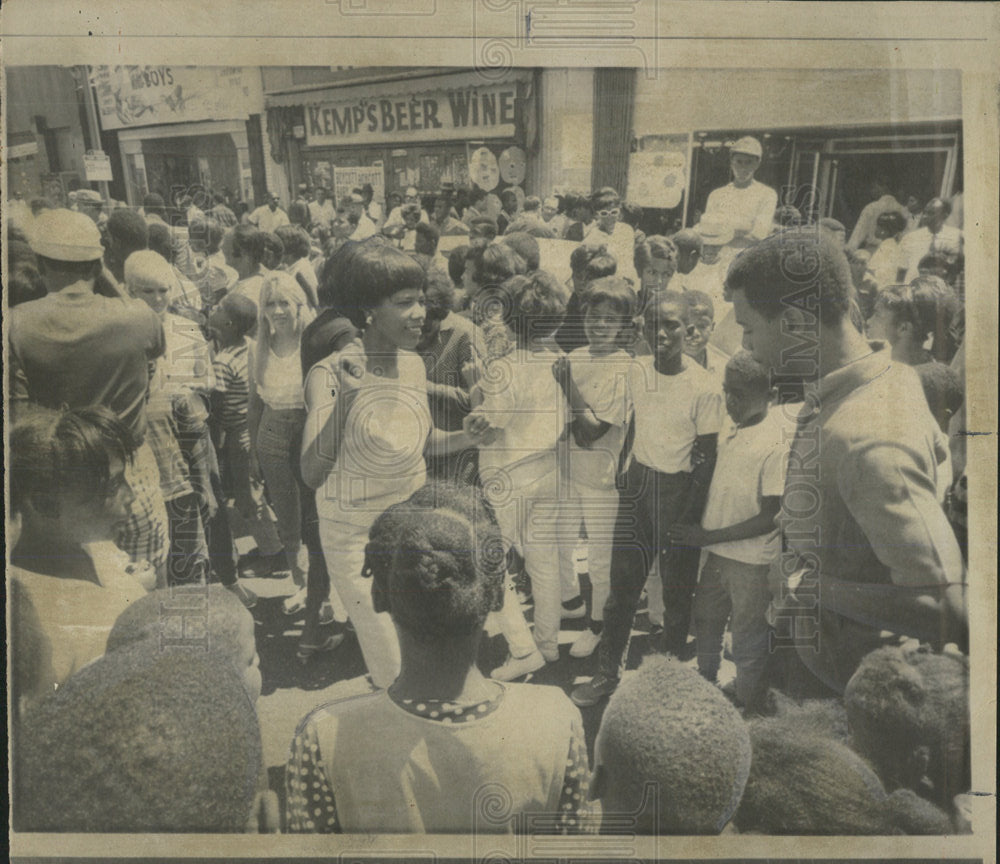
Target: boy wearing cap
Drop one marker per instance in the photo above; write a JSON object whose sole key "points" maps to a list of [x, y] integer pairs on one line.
{"points": [[77, 348], [744, 204]]}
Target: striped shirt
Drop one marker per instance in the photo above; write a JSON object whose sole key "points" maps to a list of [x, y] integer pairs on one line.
{"points": [[232, 380]]}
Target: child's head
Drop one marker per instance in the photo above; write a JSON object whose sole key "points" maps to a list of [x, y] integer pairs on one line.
{"points": [[747, 386], [437, 562], [532, 307], [246, 249], [655, 262], [688, 243], [911, 314], [294, 241], [232, 319], [456, 264], [274, 250], [200, 620], [805, 781], [668, 728], [702, 321], [908, 712], [426, 240], [150, 278], [483, 229], [588, 262], [490, 266], [609, 310], [934, 264], [141, 742], [67, 473], [666, 320], [890, 224], [439, 300], [526, 246], [944, 391]]}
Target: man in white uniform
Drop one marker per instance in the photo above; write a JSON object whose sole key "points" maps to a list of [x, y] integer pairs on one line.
{"points": [[744, 204], [933, 235]]}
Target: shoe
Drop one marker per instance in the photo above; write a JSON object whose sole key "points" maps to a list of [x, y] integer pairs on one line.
{"points": [[569, 613], [296, 603], [597, 688], [259, 565], [518, 667], [245, 595], [585, 644], [328, 643]]}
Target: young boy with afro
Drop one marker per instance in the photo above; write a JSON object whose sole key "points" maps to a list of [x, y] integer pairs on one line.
{"points": [[672, 755], [141, 742]]}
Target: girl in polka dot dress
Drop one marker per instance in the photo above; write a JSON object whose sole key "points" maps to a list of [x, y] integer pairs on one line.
{"points": [[444, 749]]}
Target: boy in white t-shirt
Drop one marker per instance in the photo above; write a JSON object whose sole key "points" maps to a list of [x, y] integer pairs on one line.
{"points": [[678, 414], [738, 532], [594, 380]]}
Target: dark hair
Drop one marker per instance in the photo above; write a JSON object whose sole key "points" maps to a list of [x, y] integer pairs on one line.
{"points": [[55, 453], [456, 263], [140, 742], [154, 203], [686, 238], [530, 306], [799, 267], [655, 246], [428, 233], [666, 296], [294, 240], [242, 310], [616, 292], [24, 279], [647, 736], [335, 272], [748, 372], [214, 609], [605, 194], [298, 214], [936, 260], [438, 562], [526, 246], [697, 299], [274, 250], [439, 296], [592, 262], [128, 229], [942, 386], [928, 303], [494, 264], [376, 272], [249, 241], [893, 222], [160, 241], [484, 227], [532, 203]]}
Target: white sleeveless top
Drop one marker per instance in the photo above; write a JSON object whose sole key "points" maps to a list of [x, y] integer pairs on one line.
{"points": [[381, 457]]}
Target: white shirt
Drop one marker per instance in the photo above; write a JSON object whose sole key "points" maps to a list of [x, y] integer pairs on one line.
{"points": [[396, 217], [603, 384], [864, 231], [524, 402], [670, 412], [917, 244], [621, 244], [750, 208], [280, 383], [322, 214], [266, 219], [707, 278], [751, 465], [364, 229], [885, 262]]}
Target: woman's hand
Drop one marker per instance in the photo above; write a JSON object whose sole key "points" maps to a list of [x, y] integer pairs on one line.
{"points": [[561, 371], [477, 425]]}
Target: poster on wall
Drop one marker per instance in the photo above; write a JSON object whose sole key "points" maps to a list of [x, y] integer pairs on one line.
{"points": [[346, 179], [483, 169], [658, 172], [147, 95]]}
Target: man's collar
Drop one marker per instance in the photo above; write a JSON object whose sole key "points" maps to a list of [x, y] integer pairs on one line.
{"points": [[837, 385]]}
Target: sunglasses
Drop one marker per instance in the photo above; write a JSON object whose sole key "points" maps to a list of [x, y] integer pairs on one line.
{"points": [[604, 214]]}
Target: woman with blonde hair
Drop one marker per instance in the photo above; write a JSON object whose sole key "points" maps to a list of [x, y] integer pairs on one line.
{"points": [[277, 414]]}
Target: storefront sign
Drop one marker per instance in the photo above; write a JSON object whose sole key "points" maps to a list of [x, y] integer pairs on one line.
{"points": [[147, 95], [658, 176], [97, 165], [472, 112], [346, 179]]}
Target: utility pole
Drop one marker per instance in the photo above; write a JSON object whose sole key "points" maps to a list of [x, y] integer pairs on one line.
{"points": [[93, 125]]}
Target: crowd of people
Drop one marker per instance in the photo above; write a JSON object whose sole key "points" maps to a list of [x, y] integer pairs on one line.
{"points": [[755, 422]]}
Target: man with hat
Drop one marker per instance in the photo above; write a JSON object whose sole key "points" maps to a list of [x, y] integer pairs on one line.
{"points": [[75, 347], [744, 204], [90, 203]]}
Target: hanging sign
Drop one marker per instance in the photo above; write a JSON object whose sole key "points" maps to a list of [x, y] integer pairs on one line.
{"points": [[346, 179], [513, 166], [483, 169]]}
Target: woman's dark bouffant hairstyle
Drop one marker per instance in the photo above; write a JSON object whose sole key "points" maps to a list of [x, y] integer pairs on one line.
{"points": [[494, 264], [64, 452], [249, 241], [371, 274], [438, 562], [614, 291]]}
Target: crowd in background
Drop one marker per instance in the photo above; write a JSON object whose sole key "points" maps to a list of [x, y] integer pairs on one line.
{"points": [[422, 431]]}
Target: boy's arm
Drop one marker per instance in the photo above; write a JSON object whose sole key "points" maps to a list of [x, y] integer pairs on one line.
{"points": [[586, 426], [702, 467], [755, 526]]}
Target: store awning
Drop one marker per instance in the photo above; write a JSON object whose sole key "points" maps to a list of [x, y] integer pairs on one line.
{"points": [[400, 86]]}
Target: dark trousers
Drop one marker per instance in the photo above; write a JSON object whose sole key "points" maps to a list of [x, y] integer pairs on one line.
{"points": [[648, 505]]}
